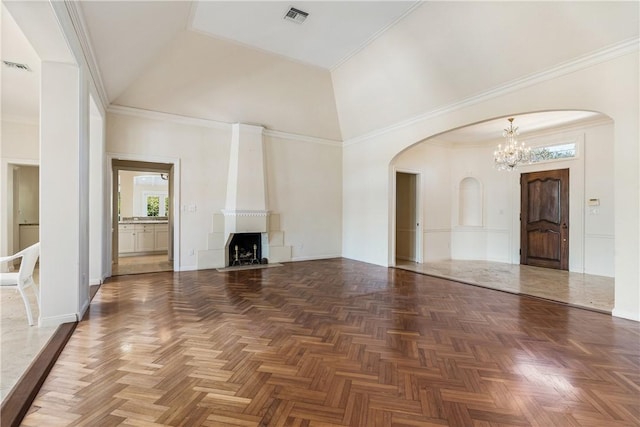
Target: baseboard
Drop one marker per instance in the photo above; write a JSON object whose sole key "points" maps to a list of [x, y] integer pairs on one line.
{"points": [[626, 314], [188, 268], [84, 308], [315, 257], [58, 320]]}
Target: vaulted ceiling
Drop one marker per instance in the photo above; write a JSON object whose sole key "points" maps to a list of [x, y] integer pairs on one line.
{"points": [[243, 62]]}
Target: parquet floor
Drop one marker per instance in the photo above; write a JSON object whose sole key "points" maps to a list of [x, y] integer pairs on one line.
{"points": [[337, 343]]}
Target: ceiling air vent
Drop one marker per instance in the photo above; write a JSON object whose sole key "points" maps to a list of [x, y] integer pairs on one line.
{"points": [[296, 15], [17, 66]]}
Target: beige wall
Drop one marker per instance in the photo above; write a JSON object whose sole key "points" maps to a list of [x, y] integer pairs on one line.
{"points": [[429, 60], [496, 238], [303, 178], [131, 194], [232, 83], [304, 184], [28, 195], [19, 145], [19, 141], [609, 86]]}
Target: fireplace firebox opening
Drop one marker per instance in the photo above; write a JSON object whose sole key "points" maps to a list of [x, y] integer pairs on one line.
{"points": [[245, 248]]}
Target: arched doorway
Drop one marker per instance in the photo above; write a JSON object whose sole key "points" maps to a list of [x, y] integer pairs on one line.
{"points": [[471, 211]]}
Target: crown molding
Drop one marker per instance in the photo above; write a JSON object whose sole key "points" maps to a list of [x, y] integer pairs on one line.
{"points": [[192, 121], [174, 118], [80, 28], [248, 128], [302, 138], [582, 62]]}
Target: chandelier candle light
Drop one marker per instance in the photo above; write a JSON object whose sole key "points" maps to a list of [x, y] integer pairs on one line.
{"points": [[513, 153]]}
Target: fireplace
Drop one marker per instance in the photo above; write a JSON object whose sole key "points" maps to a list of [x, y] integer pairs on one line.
{"points": [[245, 248], [246, 219]]}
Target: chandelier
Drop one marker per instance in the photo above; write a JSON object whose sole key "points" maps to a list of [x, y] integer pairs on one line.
{"points": [[513, 153]]}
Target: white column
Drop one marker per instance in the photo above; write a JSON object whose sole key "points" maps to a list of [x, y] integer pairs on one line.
{"points": [[96, 196], [60, 194]]}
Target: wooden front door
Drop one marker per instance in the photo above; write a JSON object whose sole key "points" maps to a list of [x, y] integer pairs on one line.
{"points": [[544, 219]]}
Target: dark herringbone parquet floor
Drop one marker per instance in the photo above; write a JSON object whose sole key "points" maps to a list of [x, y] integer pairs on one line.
{"points": [[337, 343]]}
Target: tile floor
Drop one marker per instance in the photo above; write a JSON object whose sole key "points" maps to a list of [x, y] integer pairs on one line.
{"points": [[576, 289], [19, 342]]}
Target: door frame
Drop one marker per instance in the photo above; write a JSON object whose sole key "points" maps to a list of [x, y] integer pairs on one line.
{"points": [[8, 225], [419, 209], [576, 166], [565, 218], [174, 195]]}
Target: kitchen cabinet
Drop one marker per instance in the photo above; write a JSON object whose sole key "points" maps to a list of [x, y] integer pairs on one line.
{"points": [[145, 237], [162, 237], [126, 239], [142, 238]]}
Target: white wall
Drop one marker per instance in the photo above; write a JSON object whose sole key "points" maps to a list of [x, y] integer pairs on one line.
{"points": [[18, 146], [304, 185], [203, 156], [65, 87], [303, 180], [599, 183], [497, 238], [432, 162], [99, 264], [608, 86]]}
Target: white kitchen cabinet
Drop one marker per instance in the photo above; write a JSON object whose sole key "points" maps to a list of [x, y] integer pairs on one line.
{"points": [[162, 237], [145, 237], [142, 238], [126, 238]]}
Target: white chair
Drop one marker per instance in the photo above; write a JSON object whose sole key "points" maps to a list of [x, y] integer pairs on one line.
{"points": [[24, 277]]}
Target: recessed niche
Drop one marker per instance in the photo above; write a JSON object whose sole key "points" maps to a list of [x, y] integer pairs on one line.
{"points": [[470, 202]]}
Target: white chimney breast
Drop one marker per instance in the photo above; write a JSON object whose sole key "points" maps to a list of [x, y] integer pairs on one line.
{"points": [[246, 205]]}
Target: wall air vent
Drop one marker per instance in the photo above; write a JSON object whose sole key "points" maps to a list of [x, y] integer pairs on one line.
{"points": [[296, 15], [17, 66]]}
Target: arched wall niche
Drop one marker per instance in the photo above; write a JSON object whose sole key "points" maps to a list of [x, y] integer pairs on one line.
{"points": [[470, 202]]}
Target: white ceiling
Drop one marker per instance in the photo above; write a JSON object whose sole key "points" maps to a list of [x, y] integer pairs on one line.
{"points": [[124, 41], [331, 33]]}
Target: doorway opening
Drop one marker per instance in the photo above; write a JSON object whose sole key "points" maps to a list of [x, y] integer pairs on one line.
{"points": [[142, 217], [408, 240]]}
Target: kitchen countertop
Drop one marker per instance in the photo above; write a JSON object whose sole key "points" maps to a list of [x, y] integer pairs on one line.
{"points": [[142, 221]]}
